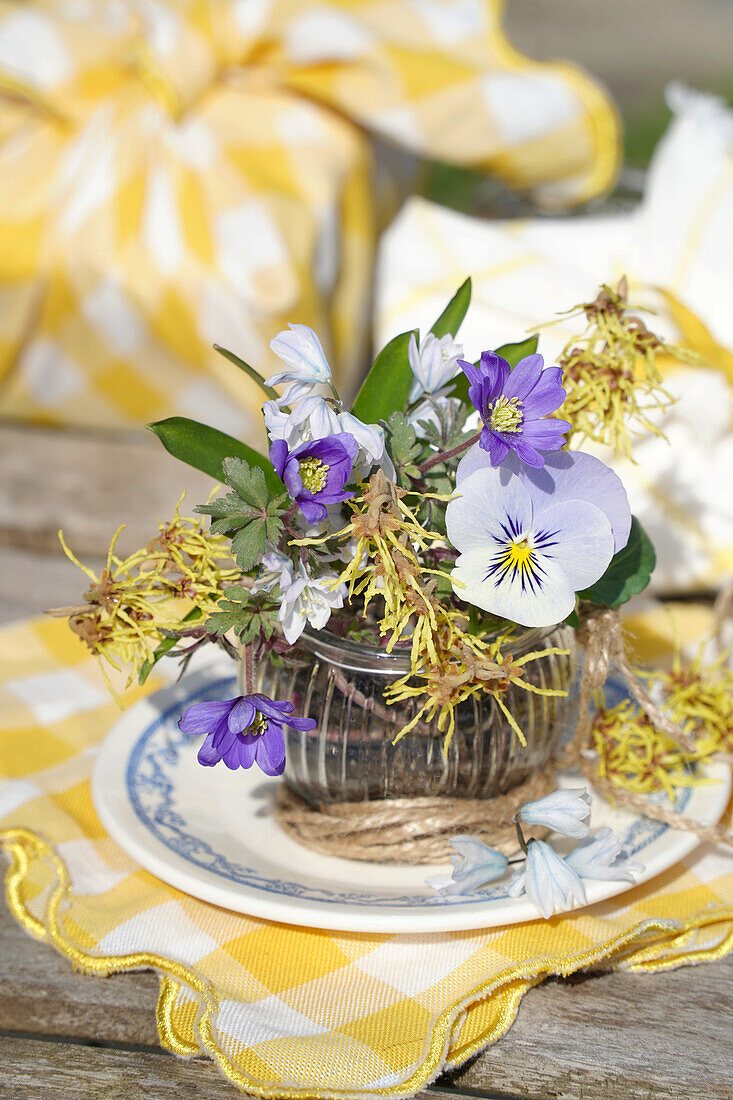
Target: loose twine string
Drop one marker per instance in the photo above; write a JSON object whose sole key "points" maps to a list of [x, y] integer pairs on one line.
{"points": [[418, 830]]}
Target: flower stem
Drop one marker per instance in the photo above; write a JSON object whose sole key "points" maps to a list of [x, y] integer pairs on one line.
{"points": [[520, 836], [249, 672], [443, 456]]}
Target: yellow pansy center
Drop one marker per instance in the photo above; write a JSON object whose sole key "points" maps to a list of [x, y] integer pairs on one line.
{"points": [[506, 415], [313, 474], [518, 556], [258, 725]]}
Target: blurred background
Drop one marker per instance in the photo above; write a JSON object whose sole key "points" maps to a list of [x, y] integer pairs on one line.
{"points": [[176, 174]]}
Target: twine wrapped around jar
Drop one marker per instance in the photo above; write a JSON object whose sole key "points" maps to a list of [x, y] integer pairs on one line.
{"points": [[418, 830]]}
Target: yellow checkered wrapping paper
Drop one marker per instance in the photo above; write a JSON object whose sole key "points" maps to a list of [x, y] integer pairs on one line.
{"points": [[182, 172], [288, 1011]]}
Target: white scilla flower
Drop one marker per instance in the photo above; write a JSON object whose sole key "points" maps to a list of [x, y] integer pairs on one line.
{"points": [[302, 352], [601, 858], [315, 418], [548, 882], [434, 363], [565, 811], [275, 568], [474, 865], [309, 600]]}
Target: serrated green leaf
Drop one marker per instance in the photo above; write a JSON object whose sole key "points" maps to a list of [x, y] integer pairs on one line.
{"points": [[452, 316], [388, 383], [253, 374], [628, 573], [248, 544], [511, 352], [248, 482], [205, 448]]}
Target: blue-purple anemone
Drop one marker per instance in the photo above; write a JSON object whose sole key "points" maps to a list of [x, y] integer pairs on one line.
{"points": [[243, 731], [315, 472], [514, 406]]}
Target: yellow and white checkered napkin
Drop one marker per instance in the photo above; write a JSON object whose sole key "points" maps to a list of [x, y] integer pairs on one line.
{"points": [[287, 1011], [183, 172]]}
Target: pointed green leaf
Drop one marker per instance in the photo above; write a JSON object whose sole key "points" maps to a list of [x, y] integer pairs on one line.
{"points": [[628, 573], [206, 448], [387, 385], [511, 352], [253, 374], [452, 316]]}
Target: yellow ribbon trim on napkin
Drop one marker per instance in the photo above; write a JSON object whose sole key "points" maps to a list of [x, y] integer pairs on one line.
{"points": [[444, 1051]]}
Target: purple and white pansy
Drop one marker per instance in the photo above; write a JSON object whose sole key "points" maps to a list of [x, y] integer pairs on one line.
{"points": [[524, 552]]}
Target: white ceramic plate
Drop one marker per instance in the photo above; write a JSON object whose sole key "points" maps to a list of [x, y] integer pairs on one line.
{"points": [[211, 833]]}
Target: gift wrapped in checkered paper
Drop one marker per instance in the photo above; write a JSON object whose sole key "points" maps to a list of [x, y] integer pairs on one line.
{"points": [[285, 1010]]}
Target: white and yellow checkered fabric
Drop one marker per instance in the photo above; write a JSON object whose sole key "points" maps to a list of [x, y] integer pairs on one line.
{"points": [[289, 1011], [175, 173]]}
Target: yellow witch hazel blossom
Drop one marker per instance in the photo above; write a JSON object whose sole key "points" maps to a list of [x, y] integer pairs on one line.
{"points": [[452, 543], [611, 376], [130, 605]]}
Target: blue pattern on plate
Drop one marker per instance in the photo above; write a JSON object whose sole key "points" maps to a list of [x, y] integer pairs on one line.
{"points": [[152, 794]]}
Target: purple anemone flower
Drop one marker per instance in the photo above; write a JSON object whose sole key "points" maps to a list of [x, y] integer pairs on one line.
{"points": [[514, 405], [243, 731], [315, 472]]}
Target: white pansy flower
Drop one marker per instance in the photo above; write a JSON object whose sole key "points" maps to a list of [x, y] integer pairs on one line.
{"points": [[309, 600], [566, 811], [522, 554], [434, 363], [549, 883], [474, 865], [300, 349], [601, 858]]}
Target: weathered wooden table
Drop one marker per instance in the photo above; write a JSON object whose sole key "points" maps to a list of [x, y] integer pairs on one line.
{"points": [[599, 1037]]}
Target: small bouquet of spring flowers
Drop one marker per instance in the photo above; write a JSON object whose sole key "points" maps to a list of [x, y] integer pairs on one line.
{"points": [[447, 509]]}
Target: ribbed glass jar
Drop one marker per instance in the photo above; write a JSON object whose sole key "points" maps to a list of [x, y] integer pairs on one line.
{"points": [[349, 756]]}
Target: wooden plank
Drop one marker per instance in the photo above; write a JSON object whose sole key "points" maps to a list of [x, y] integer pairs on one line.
{"points": [[30, 582], [36, 1069], [617, 1036], [88, 484], [600, 1037], [39, 992]]}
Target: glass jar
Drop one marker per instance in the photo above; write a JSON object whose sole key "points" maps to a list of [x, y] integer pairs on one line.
{"points": [[350, 757]]}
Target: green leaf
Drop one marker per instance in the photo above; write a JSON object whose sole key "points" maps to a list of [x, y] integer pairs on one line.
{"points": [[248, 482], [249, 615], [248, 544], [165, 647], [628, 573], [253, 374], [206, 448], [452, 316], [387, 385], [511, 352]]}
